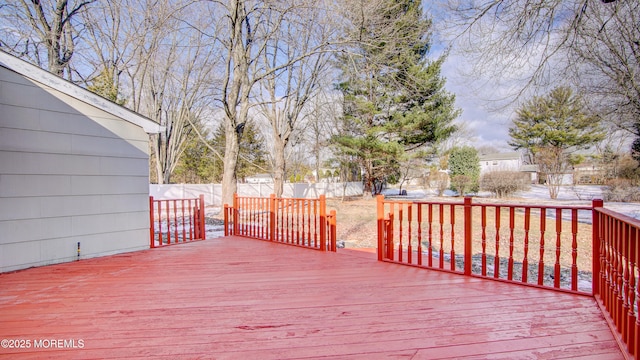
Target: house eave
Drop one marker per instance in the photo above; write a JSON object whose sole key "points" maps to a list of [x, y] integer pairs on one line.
{"points": [[46, 78]]}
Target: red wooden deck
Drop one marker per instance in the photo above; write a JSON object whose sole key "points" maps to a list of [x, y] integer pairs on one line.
{"points": [[236, 298]]}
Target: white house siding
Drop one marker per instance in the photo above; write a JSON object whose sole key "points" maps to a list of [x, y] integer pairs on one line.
{"points": [[69, 173]]}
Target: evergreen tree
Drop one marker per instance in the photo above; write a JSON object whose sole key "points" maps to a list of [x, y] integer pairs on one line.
{"points": [[464, 167], [394, 97], [550, 128], [252, 155], [105, 86]]}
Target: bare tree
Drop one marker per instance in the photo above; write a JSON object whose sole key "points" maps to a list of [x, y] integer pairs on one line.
{"points": [[43, 31], [286, 93], [529, 44], [161, 56], [251, 27], [322, 119]]}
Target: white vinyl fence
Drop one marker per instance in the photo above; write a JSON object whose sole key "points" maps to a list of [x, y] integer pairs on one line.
{"points": [[213, 192]]}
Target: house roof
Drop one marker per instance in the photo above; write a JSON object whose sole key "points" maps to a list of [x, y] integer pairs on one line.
{"points": [[46, 78], [500, 156]]}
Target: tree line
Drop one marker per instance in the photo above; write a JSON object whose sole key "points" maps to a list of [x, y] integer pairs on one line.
{"points": [[248, 86]]}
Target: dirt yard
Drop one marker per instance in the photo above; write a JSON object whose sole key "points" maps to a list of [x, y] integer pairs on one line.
{"points": [[356, 221]]}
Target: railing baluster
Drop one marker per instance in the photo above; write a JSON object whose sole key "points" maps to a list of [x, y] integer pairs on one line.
{"points": [[625, 281], [184, 226], [525, 260], [419, 206], [483, 215], [635, 325], [441, 251], [452, 222], [409, 248], [619, 272], [574, 250], [159, 223], [400, 249], [496, 258], [543, 227], [175, 221], [430, 249], [632, 316], [152, 223], [511, 229], [556, 268]]}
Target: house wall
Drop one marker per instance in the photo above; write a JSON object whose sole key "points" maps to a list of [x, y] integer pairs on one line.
{"points": [[499, 165], [69, 173]]}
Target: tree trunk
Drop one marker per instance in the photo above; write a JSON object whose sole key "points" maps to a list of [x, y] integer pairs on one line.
{"points": [[231, 150], [279, 167]]}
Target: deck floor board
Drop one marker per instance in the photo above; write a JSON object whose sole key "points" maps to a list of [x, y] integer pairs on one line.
{"points": [[236, 298]]}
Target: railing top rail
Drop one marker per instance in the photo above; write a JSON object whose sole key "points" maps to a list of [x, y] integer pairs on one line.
{"points": [[176, 199], [536, 206], [490, 204], [277, 198], [622, 217]]}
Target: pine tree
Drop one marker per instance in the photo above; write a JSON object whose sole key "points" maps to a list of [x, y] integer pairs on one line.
{"points": [[252, 155], [394, 97], [105, 86], [464, 167], [550, 128]]}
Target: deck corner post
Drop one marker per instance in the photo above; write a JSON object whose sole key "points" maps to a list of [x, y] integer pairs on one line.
{"points": [[323, 223], [380, 209], [203, 233], [467, 236], [225, 209], [272, 217], [151, 224], [235, 213], [333, 231], [595, 251]]}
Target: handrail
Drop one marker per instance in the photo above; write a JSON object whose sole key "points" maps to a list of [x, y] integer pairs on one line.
{"points": [[544, 246], [174, 221], [618, 290], [585, 250], [293, 221]]}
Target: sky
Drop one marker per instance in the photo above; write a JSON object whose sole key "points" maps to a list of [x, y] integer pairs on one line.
{"points": [[475, 96], [488, 127]]}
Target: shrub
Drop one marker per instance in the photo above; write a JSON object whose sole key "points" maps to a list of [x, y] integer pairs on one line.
{"points": [[462, 184], [504, 183], [621, 190]]}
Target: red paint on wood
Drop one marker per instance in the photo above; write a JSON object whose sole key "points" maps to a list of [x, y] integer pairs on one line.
{"points": [[262, 300]]}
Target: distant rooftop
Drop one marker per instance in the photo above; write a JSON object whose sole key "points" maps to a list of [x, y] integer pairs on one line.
{"points": [[500, 156]]}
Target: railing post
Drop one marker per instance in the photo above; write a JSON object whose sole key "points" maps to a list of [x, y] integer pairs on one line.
{"points": [[467, 235], [595, 244], [235, 214], [152, 221], [381, 229], [203, 233], [333, 231], [225, 209], [323, 223], [272, 217]]}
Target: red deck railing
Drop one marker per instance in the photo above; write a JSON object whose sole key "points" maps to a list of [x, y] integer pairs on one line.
{"points": [[616, 269], [176, 221], [556, 247], [300, 222]]}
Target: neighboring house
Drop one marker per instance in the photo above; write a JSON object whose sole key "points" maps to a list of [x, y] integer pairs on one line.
{"points": [[511, 161], [259, 179], [74, 171], [589, 173]]}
